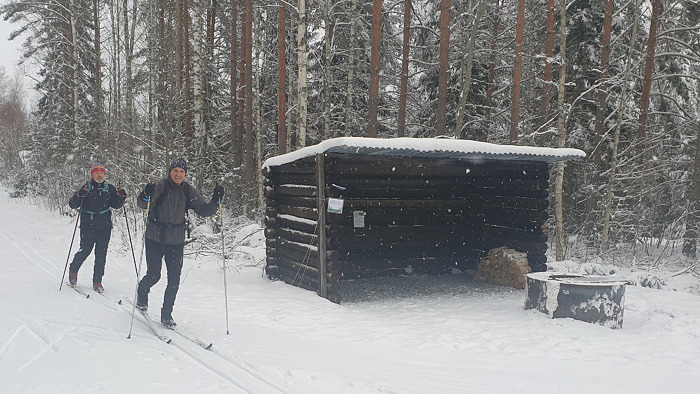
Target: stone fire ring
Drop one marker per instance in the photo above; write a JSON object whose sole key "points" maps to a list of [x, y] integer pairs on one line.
{"points": [[593, 299]]}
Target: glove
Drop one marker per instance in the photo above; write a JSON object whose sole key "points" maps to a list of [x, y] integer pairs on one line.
{"points": [[149, 189], [218, 193], [83, 192], [122, 193]]}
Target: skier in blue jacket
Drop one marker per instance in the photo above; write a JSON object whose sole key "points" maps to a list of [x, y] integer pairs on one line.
{"points": [[95, 200]]}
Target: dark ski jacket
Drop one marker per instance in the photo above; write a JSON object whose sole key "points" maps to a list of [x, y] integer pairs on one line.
{"points": [[169, 203], [95, 212]]}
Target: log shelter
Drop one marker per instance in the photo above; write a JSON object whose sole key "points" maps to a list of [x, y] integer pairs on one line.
{"points": [[355, 207]]}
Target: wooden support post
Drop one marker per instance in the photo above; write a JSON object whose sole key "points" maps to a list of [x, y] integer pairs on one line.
{"points": [[321, 202]]}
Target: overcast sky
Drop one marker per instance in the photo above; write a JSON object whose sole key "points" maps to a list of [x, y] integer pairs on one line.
{"points": [[10, 52]]}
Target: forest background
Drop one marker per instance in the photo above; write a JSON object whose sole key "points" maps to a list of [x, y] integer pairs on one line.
{"points": [[227, 84]]}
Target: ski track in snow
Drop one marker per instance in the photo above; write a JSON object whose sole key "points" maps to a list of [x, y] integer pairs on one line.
{"points": [[391, 335], [197, 360]]}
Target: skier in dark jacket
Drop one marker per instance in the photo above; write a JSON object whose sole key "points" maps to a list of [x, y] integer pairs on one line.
{"points": [[169, 199], [95, 200]]}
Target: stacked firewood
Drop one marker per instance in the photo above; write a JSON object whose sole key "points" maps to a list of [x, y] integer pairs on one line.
{"points": [[504, 267]]}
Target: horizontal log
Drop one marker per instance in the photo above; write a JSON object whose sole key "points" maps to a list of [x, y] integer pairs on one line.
{"points": [[298, 236], [468, 202], [305, 249], [311, 271], [304, 165], [332, 296], [270, 232], [295, 190], [296, 276], [387, 191], [296, 178], [296, 252], [302, 212], [296, 223], [297, 201], [453, 185], [416, 166], [271, 211]]}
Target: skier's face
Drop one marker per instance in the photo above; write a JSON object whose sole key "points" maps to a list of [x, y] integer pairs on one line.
{"points": [[177, 174], [98, 176]]}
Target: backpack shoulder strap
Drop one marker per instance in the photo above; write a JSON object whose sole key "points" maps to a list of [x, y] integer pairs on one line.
{"points": [[188, 195]]}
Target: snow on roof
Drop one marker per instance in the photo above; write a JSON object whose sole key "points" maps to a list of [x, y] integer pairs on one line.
{"points": [[428, 147]]}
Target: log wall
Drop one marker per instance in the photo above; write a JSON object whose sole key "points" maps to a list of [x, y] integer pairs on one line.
{"points": [[420, 215]]}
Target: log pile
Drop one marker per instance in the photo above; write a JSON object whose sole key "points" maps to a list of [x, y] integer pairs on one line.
{"points": [[504, 267]]}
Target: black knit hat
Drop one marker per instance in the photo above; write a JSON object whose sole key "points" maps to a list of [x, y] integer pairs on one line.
{"points": [[179, 162]]}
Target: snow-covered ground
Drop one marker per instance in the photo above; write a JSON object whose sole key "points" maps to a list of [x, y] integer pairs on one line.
{"points": [[401, 335]]}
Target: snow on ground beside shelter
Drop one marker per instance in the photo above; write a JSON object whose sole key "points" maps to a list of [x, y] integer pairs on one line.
{"points": [[390, 335]]}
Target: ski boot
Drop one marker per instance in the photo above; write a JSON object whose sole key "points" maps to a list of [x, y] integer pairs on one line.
{"points": [[167, 320], [72, 278]]}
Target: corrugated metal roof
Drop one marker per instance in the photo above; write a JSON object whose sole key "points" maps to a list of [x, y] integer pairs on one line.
{"points": [[429, 147]]}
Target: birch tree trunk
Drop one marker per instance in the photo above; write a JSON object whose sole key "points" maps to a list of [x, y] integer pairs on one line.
{"points": [[443, 61], [291, 96], [604, 245], [403, 95], [374, 68], [549, 54], [517, 72], [467, 71], [197, 81], [561, 131]]}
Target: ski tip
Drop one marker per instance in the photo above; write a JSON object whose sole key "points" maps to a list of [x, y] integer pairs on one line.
{"points": [[209, 346], [119, 302], [87, 296], [169, 340]]}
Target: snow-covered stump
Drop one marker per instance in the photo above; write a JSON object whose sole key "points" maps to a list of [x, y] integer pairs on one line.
{"points": [[593, 299]]}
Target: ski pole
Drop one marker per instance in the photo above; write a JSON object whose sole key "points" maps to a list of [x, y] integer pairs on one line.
{"points": [[223, 257], [143, 246], [80, 209], [130, 242]]}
